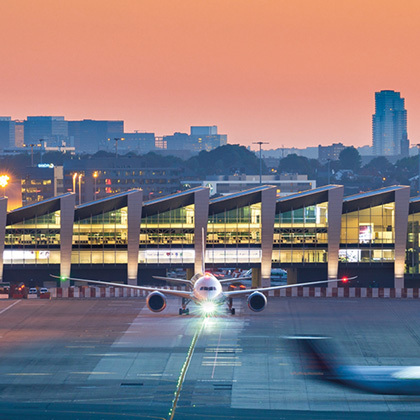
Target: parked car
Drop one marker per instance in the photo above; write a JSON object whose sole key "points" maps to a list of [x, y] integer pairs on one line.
{"points": [[43, 290], [32, 291]]}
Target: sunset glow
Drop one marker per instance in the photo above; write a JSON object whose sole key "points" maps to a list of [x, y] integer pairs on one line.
{"points": [[294, 73]]}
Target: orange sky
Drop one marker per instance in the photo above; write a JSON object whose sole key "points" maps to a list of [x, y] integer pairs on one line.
{"points": [[294, 73]]}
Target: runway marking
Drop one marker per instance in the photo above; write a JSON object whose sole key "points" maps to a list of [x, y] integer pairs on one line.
{"points": [[5, 309], [215, 357], [184, 370], [94, 373], [28, 374]]}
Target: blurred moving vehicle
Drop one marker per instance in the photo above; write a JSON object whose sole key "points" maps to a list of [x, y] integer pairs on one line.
{"points": [[321, 361]]}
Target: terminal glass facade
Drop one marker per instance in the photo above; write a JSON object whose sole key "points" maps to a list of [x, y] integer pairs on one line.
{"points": [[301, 235], [34, 241], [241, 225], [412, 265], [101, 239], [173, 232], [368, 234]]}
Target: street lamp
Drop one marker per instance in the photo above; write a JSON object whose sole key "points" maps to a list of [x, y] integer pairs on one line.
{"points": [[117, 139], [80, 188], [74, 182], [4, 180], [329, 171], [32, 145], [260, 143], [95, 175]]}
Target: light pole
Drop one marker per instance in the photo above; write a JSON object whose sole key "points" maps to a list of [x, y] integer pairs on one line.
{"points": [[95, 175], [32, 145], [117, 139], [329, 171], [80, 188], [74, 182], [260, 143], [4, 180]]}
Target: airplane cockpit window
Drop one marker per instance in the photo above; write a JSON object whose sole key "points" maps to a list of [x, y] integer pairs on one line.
{"points": [[206, 288]]}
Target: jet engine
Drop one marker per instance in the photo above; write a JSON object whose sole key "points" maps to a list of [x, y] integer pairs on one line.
{"points": [[156, 301], [257, 301]]}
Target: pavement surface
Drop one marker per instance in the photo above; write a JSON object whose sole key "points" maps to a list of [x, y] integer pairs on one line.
{"points": [[112, 359]]}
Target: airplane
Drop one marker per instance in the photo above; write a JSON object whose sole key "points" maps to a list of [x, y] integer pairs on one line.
{"points": [[322, 363], [206, 291]]}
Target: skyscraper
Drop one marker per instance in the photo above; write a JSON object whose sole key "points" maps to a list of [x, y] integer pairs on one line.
{"points": [[389, 125]]}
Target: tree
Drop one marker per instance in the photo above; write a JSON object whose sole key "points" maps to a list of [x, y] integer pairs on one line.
{"points": [[225, 160], [299, 165], [350, 159]]}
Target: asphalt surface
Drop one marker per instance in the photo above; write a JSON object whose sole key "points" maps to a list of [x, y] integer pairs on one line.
{"points": [[107, 359]]}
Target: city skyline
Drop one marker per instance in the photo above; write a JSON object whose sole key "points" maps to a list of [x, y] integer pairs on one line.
{"points": [[291, 73]]}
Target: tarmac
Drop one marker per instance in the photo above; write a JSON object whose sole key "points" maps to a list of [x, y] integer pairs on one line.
{"points": [[113, 358]]}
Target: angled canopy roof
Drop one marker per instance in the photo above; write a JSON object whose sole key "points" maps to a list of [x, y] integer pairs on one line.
{"points": [[239, 199], [104, 205], [414, 205], [370, 198], [34, 210], [304, 199], [170, 202]]}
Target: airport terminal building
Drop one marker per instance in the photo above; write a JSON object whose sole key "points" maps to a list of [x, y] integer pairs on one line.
{"points": [[314, 234]]}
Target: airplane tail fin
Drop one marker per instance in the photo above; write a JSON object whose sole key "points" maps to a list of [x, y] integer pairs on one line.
{"points": [[203, 251], [318, 357]]}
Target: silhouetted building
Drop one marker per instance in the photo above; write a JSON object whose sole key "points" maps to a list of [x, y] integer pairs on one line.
{"points": [[89, 136], [52, 129], [19, 134], [7, 133], [141, 143], [200, 138], [389, 124], [326, 153]]}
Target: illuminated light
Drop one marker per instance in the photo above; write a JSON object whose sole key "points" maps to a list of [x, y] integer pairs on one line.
{"points": [[345, 279], [63, 278], [208, 308], [4, 180]]}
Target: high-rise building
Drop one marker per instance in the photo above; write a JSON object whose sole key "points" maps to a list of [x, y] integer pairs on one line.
{"points": [[7, 133], [53, 129], [389, 125], [92, 135]]}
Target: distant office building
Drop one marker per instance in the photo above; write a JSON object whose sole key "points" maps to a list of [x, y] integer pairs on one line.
{"points": [[141, 143], [326, 153], [19, 134], [7, 133], [200, 138], [286, 183], [102, 177], [41, 182], [389, 125], [90, 136], [52, 129], [204, 130]]}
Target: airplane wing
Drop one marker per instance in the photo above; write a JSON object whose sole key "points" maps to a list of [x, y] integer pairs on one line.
{"points": [[233, 279], [174, 280], [171, 292], [285, 286]]}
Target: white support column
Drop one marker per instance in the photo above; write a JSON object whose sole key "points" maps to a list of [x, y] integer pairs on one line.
{"points": [[3, 218], [134, 209], [268, 214], [335, 211], [402, 198], [201, 216], [67, 204]]}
